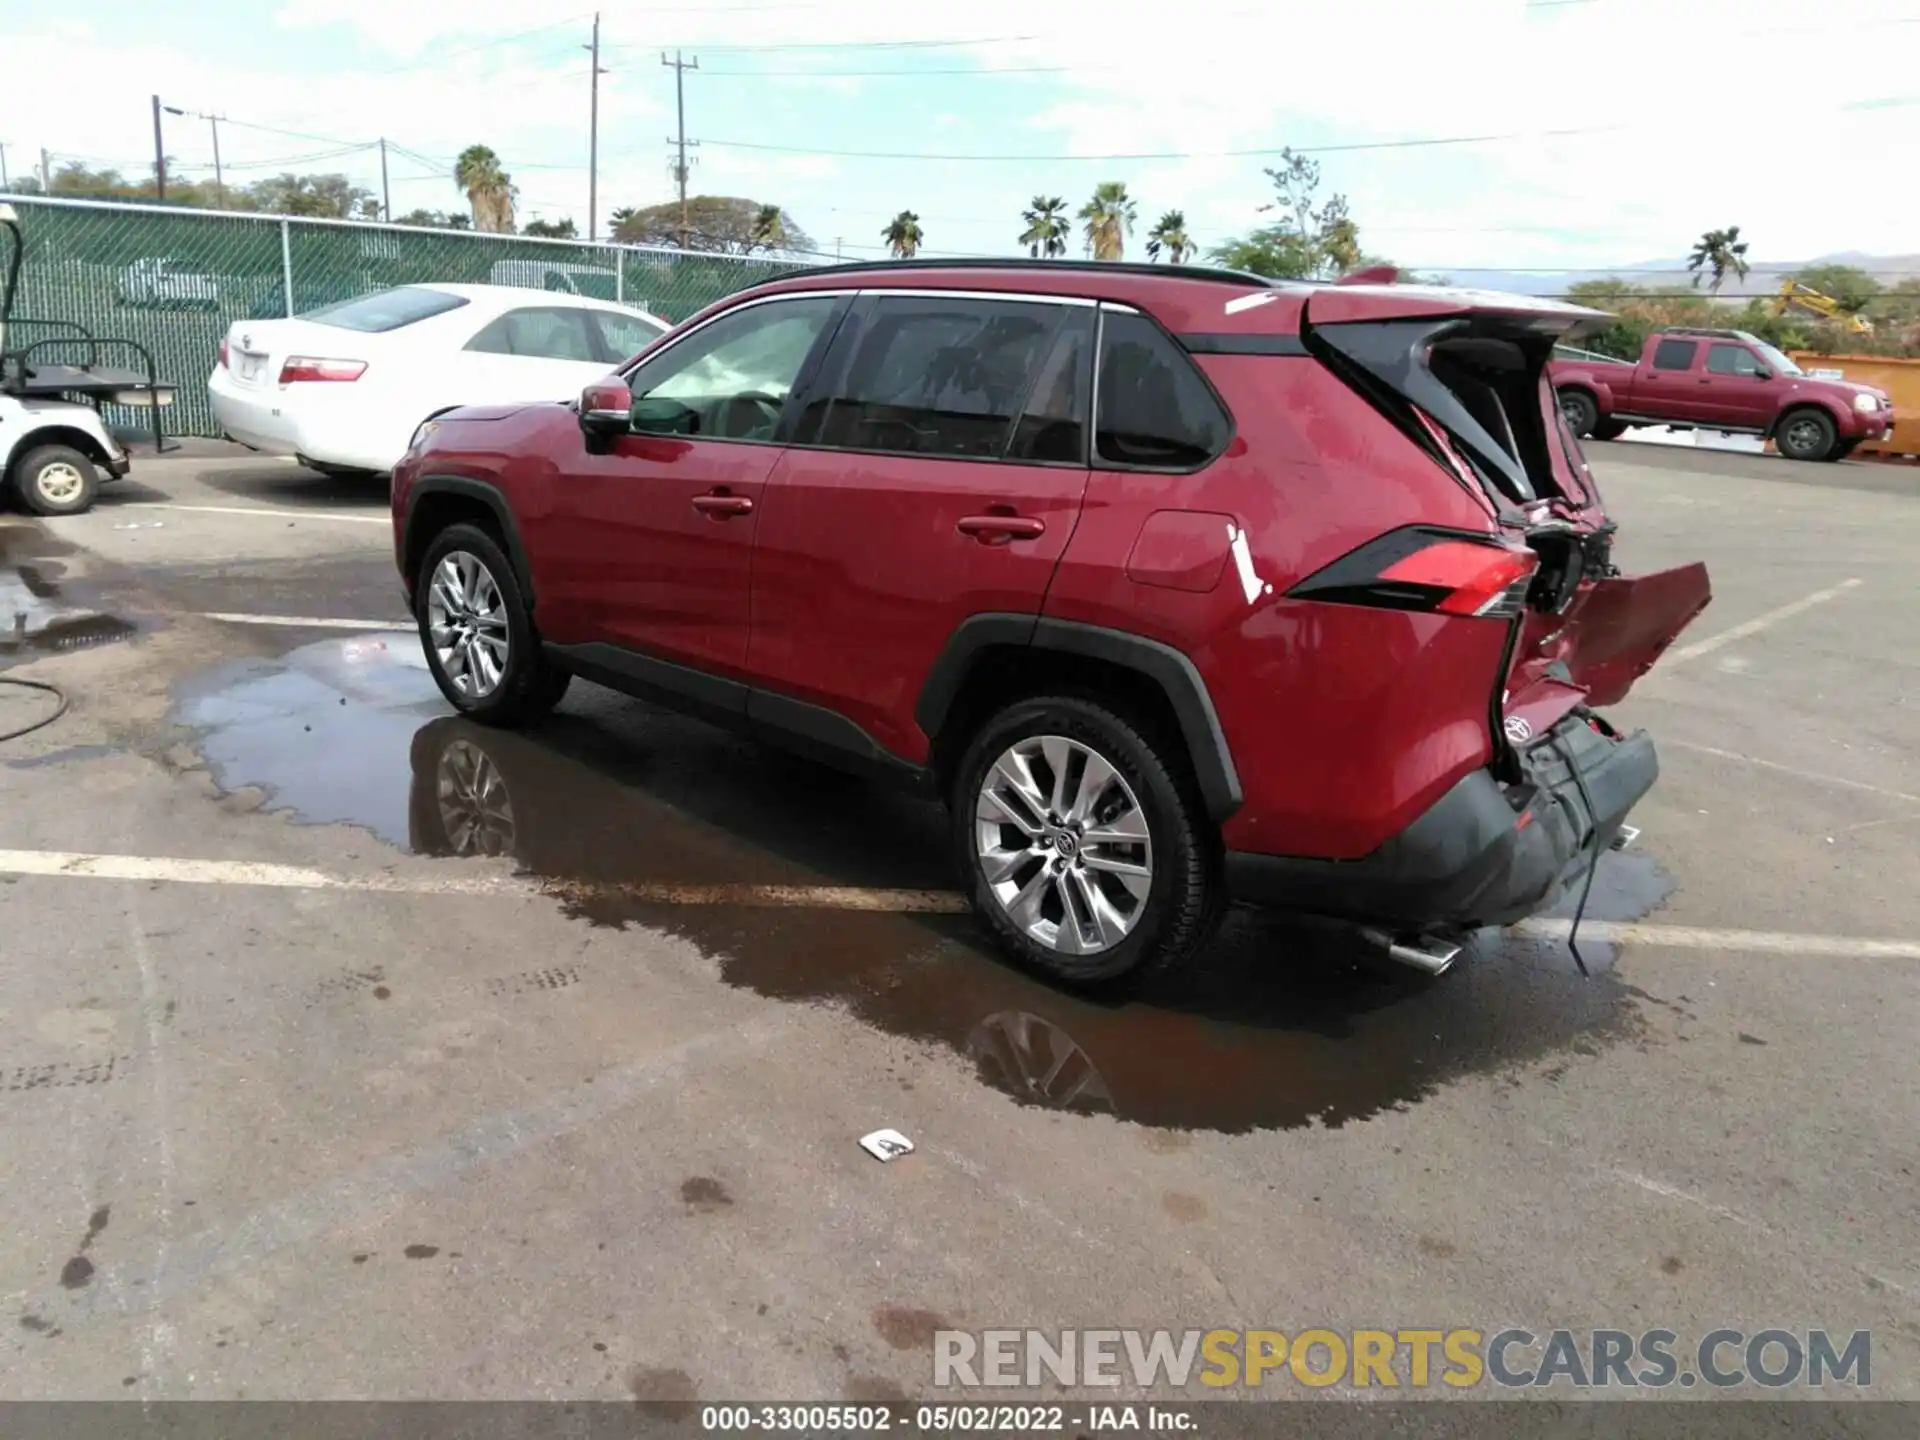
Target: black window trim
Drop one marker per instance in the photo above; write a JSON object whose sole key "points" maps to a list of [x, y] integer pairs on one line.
{"points": [[856, 318], [1093, 429]]}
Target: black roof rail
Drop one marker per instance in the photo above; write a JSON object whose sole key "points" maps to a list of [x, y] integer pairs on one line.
{"points": [[1702, 331], [1214, 274]]}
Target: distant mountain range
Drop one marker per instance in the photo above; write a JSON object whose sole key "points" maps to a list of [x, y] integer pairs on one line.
{"points": [[1763, 279]]}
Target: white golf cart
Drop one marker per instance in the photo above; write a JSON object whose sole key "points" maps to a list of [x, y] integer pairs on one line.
{"points": [[55, 447]]}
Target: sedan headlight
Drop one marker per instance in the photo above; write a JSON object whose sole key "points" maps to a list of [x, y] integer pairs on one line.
{"points": [[427, 427], [1866, 404]]}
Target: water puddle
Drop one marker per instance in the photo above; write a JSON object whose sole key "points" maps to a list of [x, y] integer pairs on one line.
{"points": [[40, 613], [1282, 1023]]}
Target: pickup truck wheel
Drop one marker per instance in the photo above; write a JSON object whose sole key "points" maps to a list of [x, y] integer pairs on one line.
{"points": [[56, 480], [1582, 412], [1609, 429], [1805, 435]]}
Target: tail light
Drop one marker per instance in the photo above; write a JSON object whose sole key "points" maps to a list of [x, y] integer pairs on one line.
{"points": [[223, 352], [307, 367], [1440, 572]]}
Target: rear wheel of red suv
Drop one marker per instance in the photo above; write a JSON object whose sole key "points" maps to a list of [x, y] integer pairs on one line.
{"points": [[1085, 846], [479, 639]]}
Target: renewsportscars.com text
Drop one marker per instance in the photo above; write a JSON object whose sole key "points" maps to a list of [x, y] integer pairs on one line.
{"points": [[1409, 1358]]}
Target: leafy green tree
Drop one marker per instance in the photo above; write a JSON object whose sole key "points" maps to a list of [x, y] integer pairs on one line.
{"points": [[328, 197], [561, 229], [1310, 239], [1849, 287], [435, 220], [1047, 227], [720, 224]]}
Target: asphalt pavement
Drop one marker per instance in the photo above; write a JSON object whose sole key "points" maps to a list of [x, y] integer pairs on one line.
{"points": [[352, 1051]]}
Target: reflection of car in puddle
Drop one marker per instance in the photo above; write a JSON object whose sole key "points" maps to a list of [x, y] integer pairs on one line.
{"points": [[1282, 1027]]}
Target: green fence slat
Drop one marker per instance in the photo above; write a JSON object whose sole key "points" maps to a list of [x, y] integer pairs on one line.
{"points": [[174, 280]]}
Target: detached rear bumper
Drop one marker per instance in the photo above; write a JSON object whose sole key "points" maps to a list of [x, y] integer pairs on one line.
{"points": [[1485, 853]]}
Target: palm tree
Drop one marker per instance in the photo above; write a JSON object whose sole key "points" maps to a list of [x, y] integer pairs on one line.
{"points": [[770, 228], [1169, 233], [1109, 216], [1717, 252], [903, 235], [1047, 227], [490, 190]]}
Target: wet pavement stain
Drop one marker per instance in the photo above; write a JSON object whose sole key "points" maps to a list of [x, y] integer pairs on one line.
{"points": [[41, 612], [1283, 1022]]}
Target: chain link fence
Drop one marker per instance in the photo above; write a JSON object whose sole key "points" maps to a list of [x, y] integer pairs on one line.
{"points": [[174, 280]]}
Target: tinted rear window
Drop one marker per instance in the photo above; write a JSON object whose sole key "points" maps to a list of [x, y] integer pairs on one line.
{"points": [[386, 309], [1674, 355], [1154, 411]]}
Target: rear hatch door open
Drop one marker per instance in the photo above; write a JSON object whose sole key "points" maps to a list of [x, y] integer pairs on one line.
{"points": [[1464, 374]]}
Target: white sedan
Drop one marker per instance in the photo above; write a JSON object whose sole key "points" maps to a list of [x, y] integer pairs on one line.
{"points": [[343, 388]]}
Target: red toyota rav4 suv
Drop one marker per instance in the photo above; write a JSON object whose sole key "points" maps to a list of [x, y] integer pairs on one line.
{"points": [[1176, 584]]}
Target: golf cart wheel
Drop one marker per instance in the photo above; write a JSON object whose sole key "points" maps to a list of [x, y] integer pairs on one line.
{"points": [[56, 480]]}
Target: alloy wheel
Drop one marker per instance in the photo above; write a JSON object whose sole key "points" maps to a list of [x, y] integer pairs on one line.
{"points": [[467, 623], [1063, 845], [1803, 435]]}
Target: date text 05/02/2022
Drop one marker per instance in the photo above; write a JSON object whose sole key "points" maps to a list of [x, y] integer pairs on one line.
{"points": [[931, 1419]]}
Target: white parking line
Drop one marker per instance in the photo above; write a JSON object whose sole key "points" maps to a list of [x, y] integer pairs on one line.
{"points": [[1813, 775], [284, 514], [306, 622], [1755, 625], [83, 865]]}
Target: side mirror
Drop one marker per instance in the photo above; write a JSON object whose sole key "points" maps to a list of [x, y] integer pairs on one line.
{"points": [[654, 415], [1763, 374], [606, 408]]}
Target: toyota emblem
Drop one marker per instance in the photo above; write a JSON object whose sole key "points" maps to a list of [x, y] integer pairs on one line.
{"points": [[1518, 729]]}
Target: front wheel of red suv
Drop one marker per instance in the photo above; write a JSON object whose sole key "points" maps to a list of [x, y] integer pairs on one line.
{"points": [[477, 634], [1086, 849]]}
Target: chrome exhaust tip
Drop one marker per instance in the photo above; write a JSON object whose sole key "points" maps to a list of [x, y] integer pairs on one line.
{"points": [[1623, 837], [1425, 953]]}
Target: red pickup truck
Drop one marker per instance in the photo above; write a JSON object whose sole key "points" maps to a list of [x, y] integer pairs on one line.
{"points": [[1720, 380]]}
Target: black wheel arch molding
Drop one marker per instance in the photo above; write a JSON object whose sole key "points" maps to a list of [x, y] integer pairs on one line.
{"points": [[1168, 669], [468, 488]]}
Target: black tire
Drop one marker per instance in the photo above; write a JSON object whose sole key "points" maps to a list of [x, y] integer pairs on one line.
{"points": [[1184, 892], [1582, 411], [1806, 434], [529, 685], [1609, 429], [1844, 449], [56, 480]]}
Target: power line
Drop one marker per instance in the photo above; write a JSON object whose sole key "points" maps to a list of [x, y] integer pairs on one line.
{"points": [[855, 45], [976, 70]]}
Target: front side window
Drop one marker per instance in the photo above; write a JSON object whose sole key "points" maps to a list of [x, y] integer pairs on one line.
{"points": [[730, 379], [1154, 410], [936, 375], [1674, 354], [540, 334], [1732, 360]]}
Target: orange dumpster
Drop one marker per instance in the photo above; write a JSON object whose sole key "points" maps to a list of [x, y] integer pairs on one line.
{"points": [[1899, 378]]}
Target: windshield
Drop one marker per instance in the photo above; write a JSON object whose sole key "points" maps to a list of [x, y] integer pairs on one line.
{"points": [[1774, 360]]}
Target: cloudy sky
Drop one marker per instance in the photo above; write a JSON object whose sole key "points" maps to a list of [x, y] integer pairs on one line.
{"points": [[1597, 132]]}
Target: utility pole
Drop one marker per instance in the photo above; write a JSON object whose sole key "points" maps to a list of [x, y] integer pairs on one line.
{"points": [[593, 136], [159, 155], [219, 179], [5, 184], [680, 68], [386, 200], [46, 173]]}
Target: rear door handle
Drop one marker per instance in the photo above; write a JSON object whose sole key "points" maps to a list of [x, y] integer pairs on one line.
{"points": [[989, 528], [721, 506]]}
